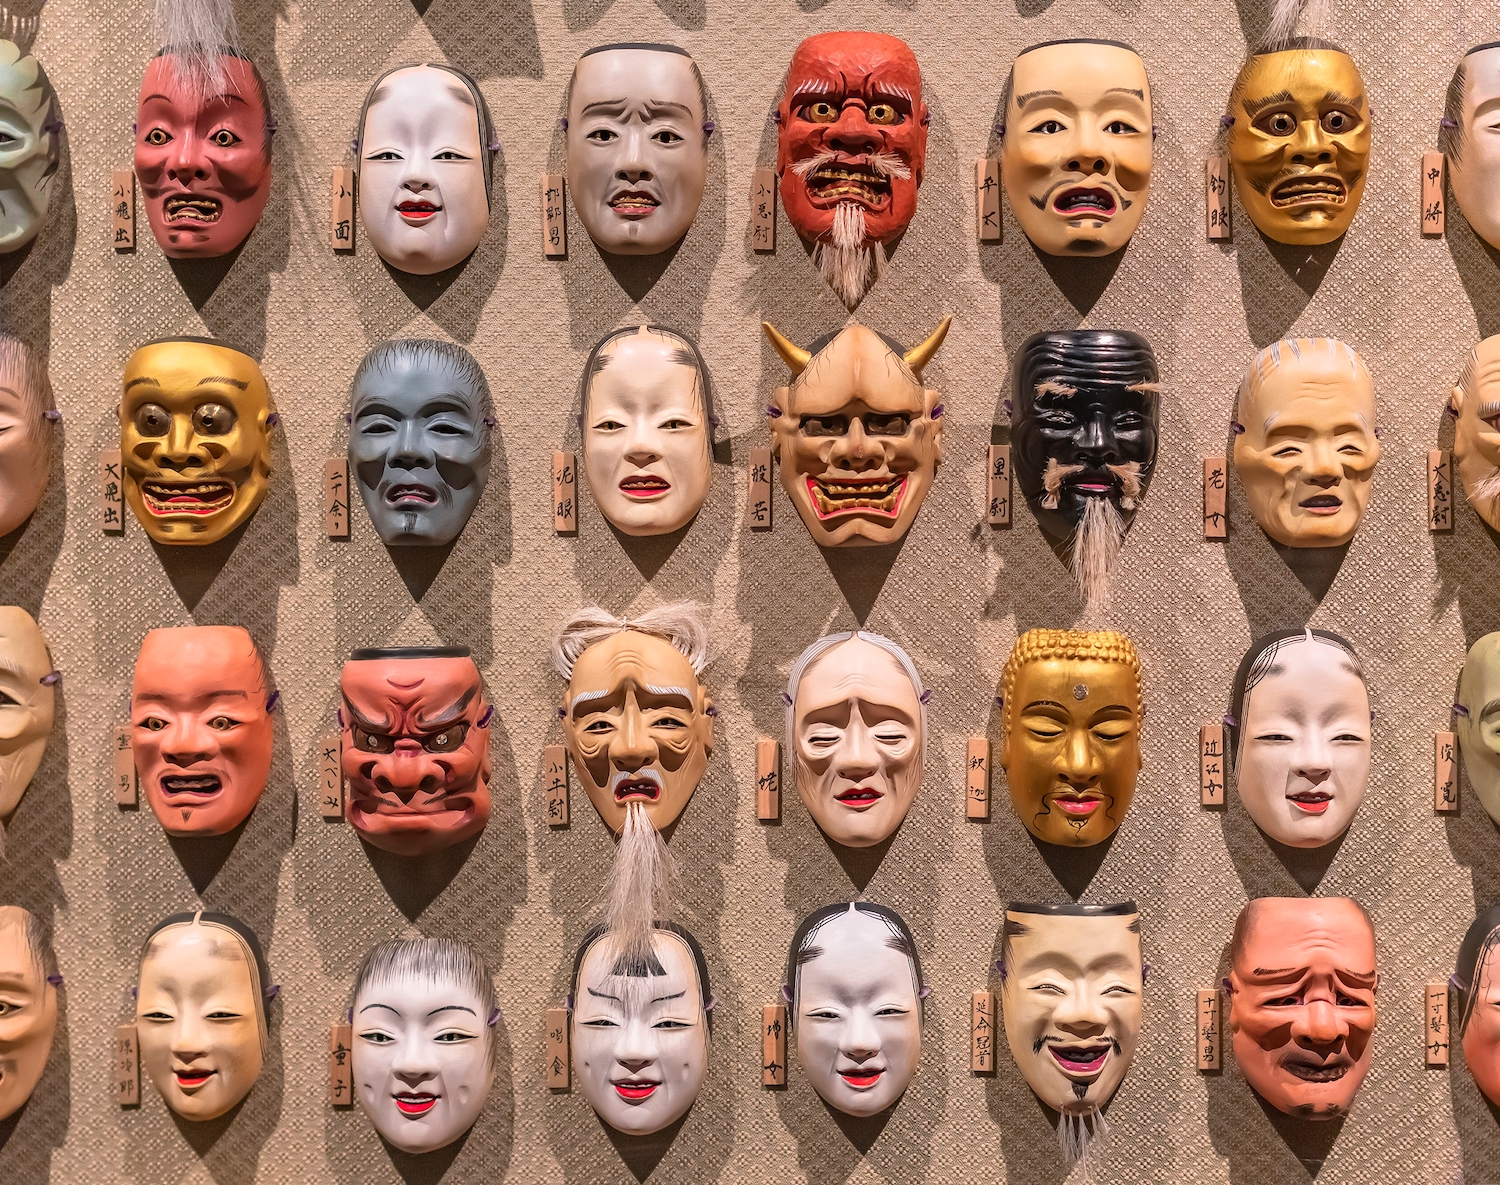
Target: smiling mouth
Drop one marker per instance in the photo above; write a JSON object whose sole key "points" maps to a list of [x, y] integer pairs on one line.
{"points": [[1315, 1073], [849, 182], [644, 487], [635, 1091], [397, 495], [417, 212], [191, 208], [1085, 202], [1081, 1061], [633, 204], [192, 1079], [1309, 189], [1323, 504], [641, 789], [861, 1079], [861, 798], [1314, 802], [833, 498], [201, 785], [166, 499], [415, 1104]]}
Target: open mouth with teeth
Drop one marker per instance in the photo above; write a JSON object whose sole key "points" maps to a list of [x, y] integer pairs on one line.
{"points": [[417, 1103], [169, 499], [192, 1079], [633, 204], [407, 495], [193, 208], [197, 785], [848, 181], [416, 211], [1312, 802], [1085, 202], [637, 1091], [1322, 504], [860, 798], [644, 486], [639, 789], [1081, 1060], [1311, 1072], [1310, 189], [831, 498]]}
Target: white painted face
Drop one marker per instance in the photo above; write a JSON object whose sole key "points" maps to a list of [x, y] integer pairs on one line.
{"points": [[1474, 169], [1479, 730], [640, 1043], [26, 703], [421, 177], [637, 154], [1304, 756], [859, 1020], [423, 1060], [645, 435]]}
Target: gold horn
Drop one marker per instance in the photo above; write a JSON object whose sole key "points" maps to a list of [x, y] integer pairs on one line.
{"points": [[794, 356], [919, 357]]}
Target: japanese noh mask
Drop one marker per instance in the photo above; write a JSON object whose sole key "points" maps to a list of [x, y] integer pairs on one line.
{"points": [[203, 150], [647, 424], [200, 1012], [1476, 983], [1477, 720], [419, 439], [1302, 983], [195, 422], [201, 730], [1071, 740], [27, 416], [27, 701], [857, 436], [851, 147], [854, 982], [1299, 736], [424, 146], [1475, 404], [1085, 418], [32, 148], [28, 1006], [856, 726], [416, 747], [1470, 139], [424, 1040], [1076, 154], [640, 1027], [1306, 444], [637, 139], [1071, 986]]}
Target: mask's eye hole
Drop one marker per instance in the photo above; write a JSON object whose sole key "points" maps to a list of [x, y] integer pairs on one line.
{"points": [[448, 740], [1278, 123], [224, 138], [372, 742], [894, 424], [1337, 122], [824, 425], [821, 112], [213, 419], [883, 113], [157, 137], [152, 419]]}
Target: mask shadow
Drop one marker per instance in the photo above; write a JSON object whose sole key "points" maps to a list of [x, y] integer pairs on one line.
{"points": [[1082, 279], [861, 1130], [193, 570], [1074, 868], [1310, 1141], [202, 857], [642, 1154], [418, 567], [1277, 280], [425, 1168], [861, 864], [414, 882], [861, 573], [200, 278]]}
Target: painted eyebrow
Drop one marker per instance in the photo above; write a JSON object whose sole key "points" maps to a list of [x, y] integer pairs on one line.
{"points": [[228, 382], [658, 106], [1052, 387], [387, 1007], [603, 995], [453, 1008], [1254, 107], [673, 996], [607, 106], [584, 696], [138, 382], [1022, 100], [450, 714], [364, 721], [1126, 90], [1044, 703], [157, 696], [1340, 97]]}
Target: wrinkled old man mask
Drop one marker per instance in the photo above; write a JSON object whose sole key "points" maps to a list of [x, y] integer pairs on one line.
{"points": [[1470, 139], [26, 428], [1476, 983], [28, 1007], [1475, 403], [27, 702], [31, 149], [1478, 722]]}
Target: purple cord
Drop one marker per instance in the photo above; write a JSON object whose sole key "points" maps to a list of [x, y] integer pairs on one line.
{"points": [[52, 415], [50, 678], [272, 700]]}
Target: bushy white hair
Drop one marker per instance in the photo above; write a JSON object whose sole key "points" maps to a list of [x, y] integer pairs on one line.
{"points": [[682, 624], [197, 33]]}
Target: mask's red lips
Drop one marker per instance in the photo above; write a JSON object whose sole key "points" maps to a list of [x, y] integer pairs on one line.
{"points": [[1322, 504], [396, 495], [198, 499], [835, 496], [1078, 805], [860, 798], [192, 208], [198, 785], [1080, 1059], [644, 486], [634, 204], [415, 1103], [635, 1090], [1093, 483], [861, 1079], [642, 789], [1313, 802], [417, 211], [1085, 202], [192, 1079]]}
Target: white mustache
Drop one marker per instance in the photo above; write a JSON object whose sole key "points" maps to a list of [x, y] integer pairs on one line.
{"points": [[647, 774], [887, 164]]}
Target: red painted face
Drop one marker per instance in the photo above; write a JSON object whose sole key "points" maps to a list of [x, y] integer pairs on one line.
{"points": [[416, 749], [853, 104], [204, 163]]}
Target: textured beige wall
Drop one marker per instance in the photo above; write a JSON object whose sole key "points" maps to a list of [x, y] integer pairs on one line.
{"points": [[955, 595]]}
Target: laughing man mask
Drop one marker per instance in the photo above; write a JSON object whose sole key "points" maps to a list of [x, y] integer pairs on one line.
{"points": [[1468, 138], [416, 747], [200, 712], [857, 436], [26, 427], [1478, 721], [29, 154], [195, 425], [1076, 155], [424, 1040], [854, 981], [1300, 743], [28, 1006], [1475, 403], [425, 145], [419, 439], [1302, 983], [1476, 983], [27, 703], [851, 146], [1071, 987], [637, 135], [856, 725], [647, 425], [1071, 746], [200, 1012], [640, 1028], [1085, 420], [1306, 444]]}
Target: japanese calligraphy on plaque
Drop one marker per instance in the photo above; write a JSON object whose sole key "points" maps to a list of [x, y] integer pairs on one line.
{"points": [[555, 785], [1210, 1054], [123, 771], [982, 1033], [341, 1065], [122, 209], [773, 1045], [1433, 217], [987, 199], [1435, 1024], [977, 779], [1216, 194], [1211, 765], [997, 486], [111, 493], [330, 776], [341, 211], [1215, 493], [336, 497], [758, 504], [1439, 490], [554, 217], [767, 778], [1444, 773], [125, 1057], [559, 1065], [763, 210], [564, 493]]}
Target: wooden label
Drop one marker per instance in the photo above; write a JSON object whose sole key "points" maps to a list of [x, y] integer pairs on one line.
{"points": [[330, 776], [1444, 774], [982, 1033], [763, 210], [773, 1045], [122, 208], [977, 779], [1216, 192], [1215, 491], [126, 1057], [1210, 1035], [1433, 217], [559, 1065], [124, 767], [336, 497], [555, 785], [767, 778], [111, 492], [554, 217], [341, 1065], [987, 199], [998, 490], [341, 211], [758, 505], [1439, 490], [564, 493], [1211, 765], [1435, 1024]]}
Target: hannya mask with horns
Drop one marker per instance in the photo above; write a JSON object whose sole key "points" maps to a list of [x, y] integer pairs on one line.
{"points": [[851, 147], [1478, 720], [1476, 984], [857, 436], [28, 1006], [200, 1012], [31, 150], [27, 418], [1469, 141], [27, 705], [1475, 404]]}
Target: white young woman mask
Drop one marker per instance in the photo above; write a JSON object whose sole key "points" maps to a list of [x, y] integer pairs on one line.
{"points": [[1301, 736]]}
